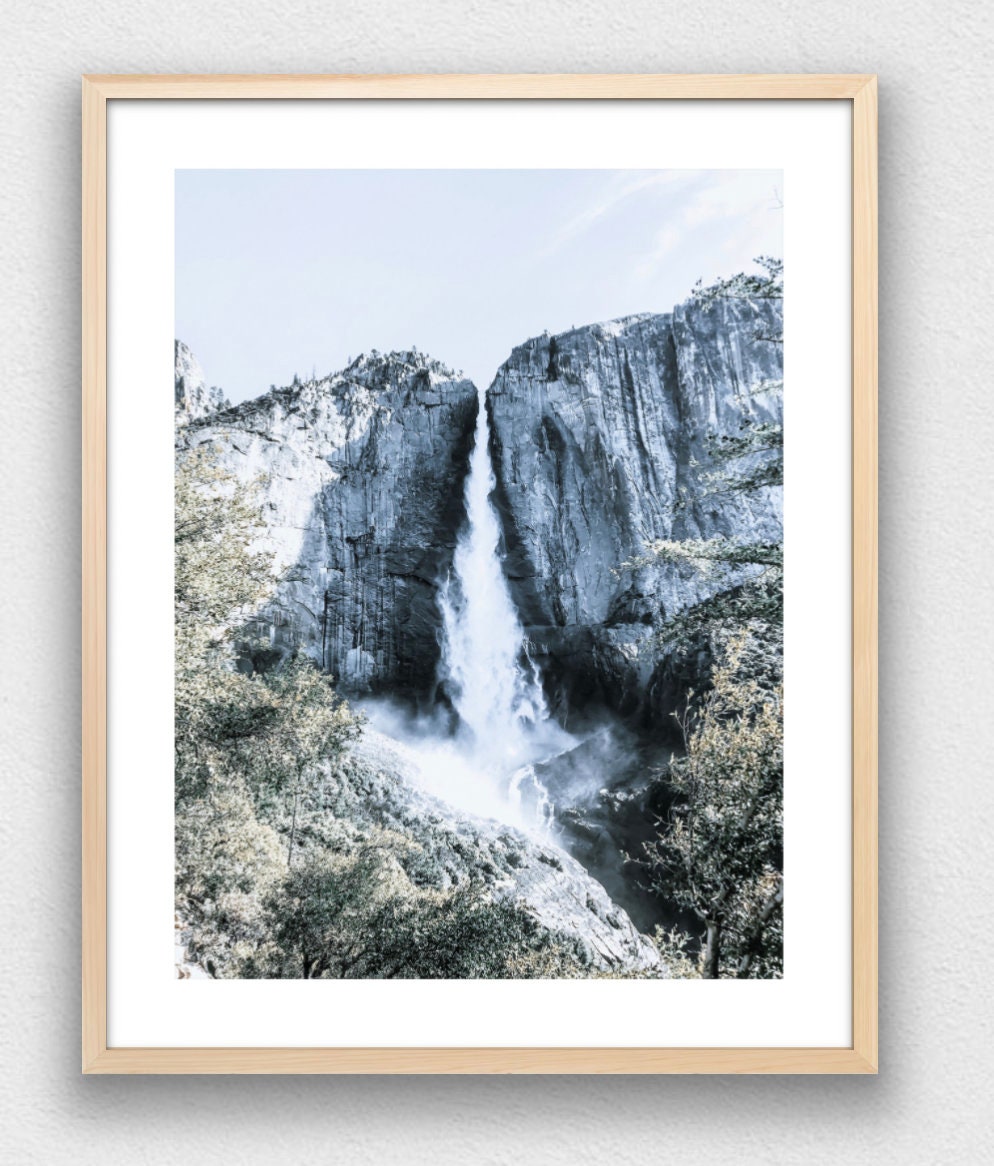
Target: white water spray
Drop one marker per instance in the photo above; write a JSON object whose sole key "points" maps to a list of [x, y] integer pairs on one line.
{"points": [[493, 683]]}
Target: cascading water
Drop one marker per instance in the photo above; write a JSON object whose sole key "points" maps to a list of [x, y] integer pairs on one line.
{"points": [[482, 646], [488, 766], [492, 681]]}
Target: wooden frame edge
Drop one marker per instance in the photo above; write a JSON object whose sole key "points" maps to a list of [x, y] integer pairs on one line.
{"points": [[449, 1061], [457, 86], [862, 1057], [94, 536], [864, 574]]}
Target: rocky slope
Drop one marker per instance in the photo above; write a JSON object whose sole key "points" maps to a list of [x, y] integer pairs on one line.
{"points": [[361, 476], [600, 445], [384, 787]]}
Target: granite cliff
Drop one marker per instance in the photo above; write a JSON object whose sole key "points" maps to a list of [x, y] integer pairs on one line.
{"points": [[361, 475], [600, 443], [194, 398]]}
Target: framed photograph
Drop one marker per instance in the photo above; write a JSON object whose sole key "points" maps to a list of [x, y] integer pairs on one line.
{"points": [[479, 514]]}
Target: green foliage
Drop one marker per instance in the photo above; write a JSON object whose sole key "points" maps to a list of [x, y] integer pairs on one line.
{"points": [[244, 744], [755, 602], [715, 554], [721, 856], [676, 948], [765, 284], [470, 935], [319, 916], [265, 732], [756, 605], [357, 916], [226, 861], [219, 576], [759, 442]]}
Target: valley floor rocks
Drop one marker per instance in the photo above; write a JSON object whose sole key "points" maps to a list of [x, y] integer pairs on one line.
{"points": [[527, 869]]}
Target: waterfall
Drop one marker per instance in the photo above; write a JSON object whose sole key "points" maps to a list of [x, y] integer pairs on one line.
{"points": [[491, 679]]}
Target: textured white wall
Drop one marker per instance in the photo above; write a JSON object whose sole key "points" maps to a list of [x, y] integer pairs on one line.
{"points": [[937, 809]]}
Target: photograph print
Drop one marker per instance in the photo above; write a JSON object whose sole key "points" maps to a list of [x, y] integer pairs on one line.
{"points": [[479, 574]]}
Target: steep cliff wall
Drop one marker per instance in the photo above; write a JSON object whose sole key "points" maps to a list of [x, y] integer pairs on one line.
{"points": [[361, 475], [599, 440], [194, 398], [600, 445]]}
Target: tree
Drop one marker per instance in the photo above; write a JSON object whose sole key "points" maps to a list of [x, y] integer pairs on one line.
{"points": [[292, 723], [219, 575], [356, 915], [319, 916], [272, 727], [755, 601], [227, 860], [765, 284], [721, 856], [243, 742], [220, 578]]}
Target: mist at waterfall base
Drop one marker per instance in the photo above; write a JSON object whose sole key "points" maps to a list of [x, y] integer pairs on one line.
{"points": [[482, 755]]}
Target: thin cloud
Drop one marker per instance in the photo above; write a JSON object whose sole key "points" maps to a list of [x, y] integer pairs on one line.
{"points": [[666, 241], [619, 189], [729, 205]]}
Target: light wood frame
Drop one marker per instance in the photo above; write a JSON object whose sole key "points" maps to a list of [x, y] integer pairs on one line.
{"points": [[861, 91]]}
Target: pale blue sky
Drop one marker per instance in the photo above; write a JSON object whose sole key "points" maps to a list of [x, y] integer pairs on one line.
{"points": [[284, 271]]}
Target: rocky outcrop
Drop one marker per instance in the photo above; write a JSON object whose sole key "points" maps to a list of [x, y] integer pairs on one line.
{"points": [[457, 848], [194, 399], [360, 475], [600, 442]]}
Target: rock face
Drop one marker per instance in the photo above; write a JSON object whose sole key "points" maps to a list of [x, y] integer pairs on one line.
{"points": [[599, 438], [533, 872], [361, 480], [193, 397]]}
